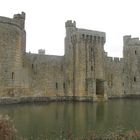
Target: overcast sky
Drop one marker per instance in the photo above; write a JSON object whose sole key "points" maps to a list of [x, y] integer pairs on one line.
{"points": [[45, 21]]}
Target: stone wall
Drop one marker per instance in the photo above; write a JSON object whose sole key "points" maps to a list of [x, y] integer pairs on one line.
{"points": [[114, 76], [84, 60], [12, 51], [47, 74], [131, 52], [84, 72]]}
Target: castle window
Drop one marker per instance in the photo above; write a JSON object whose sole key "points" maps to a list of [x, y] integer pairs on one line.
{"points": [[123, 83], [134, 79], [32, 66], [64, 85], [111, 79], [91, 68], [91, 49], [98, 38], [83, 36], [135, 52], [13, 75], [94, 38], [56, 85]]}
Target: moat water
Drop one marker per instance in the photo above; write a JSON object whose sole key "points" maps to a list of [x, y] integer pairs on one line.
{"points": [[80, 118]]}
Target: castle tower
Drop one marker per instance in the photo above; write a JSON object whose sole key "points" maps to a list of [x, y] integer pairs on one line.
{"points": [[12, 50], [89, 62], [131, 51], [84, 61], [70, 57]]}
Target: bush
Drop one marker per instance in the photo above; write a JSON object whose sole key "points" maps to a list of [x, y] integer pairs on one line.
{"points": [[7, 129]]}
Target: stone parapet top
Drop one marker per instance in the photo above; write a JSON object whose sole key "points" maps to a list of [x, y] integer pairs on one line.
{"points": [[44, 58], [128, 40], [114, 59], [70, 23], [12, 21], [91, 32]]}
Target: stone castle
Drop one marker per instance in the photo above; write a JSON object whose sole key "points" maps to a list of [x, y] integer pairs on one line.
{"points": [[85, 72]]}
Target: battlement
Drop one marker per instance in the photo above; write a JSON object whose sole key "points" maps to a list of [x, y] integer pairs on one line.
{"points": [[70, 23], [41, 51], [114, 59], [19, 16], [129, 41], [17, 20], [92, 35]]}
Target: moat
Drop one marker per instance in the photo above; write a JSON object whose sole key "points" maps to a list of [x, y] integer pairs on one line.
{"points": [[79, 117]]}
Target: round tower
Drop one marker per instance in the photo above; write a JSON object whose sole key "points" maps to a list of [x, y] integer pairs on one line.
{"points": [[12, 50]]}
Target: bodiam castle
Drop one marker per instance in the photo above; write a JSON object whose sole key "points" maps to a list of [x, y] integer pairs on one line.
{"points": [[85, 72]]}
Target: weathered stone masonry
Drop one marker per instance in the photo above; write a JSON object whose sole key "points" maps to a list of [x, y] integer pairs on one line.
{"points": [[85, 72]]}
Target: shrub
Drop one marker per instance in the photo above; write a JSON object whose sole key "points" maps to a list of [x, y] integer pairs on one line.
{"points": [[7, 129]]}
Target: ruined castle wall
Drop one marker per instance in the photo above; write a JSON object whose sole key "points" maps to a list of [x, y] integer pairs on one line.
{"points": [[47, 74], [114, 76]]}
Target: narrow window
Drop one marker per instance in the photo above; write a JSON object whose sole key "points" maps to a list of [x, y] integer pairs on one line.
{"points": [[64, 86], [111, 79], [98, 39], [134, 79], [91, 68], [135, 52], [56, 85], [123, 83], [36, 69], [13, 75], [91, 49], [32, 66]]}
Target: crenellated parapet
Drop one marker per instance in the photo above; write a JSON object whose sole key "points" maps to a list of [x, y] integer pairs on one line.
{"points": [[129, 41], [92, 36], [17, 20], [114, 59], [70, 23]]}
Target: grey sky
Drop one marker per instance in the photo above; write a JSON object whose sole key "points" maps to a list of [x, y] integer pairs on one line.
{"points": [[45, 21]]}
